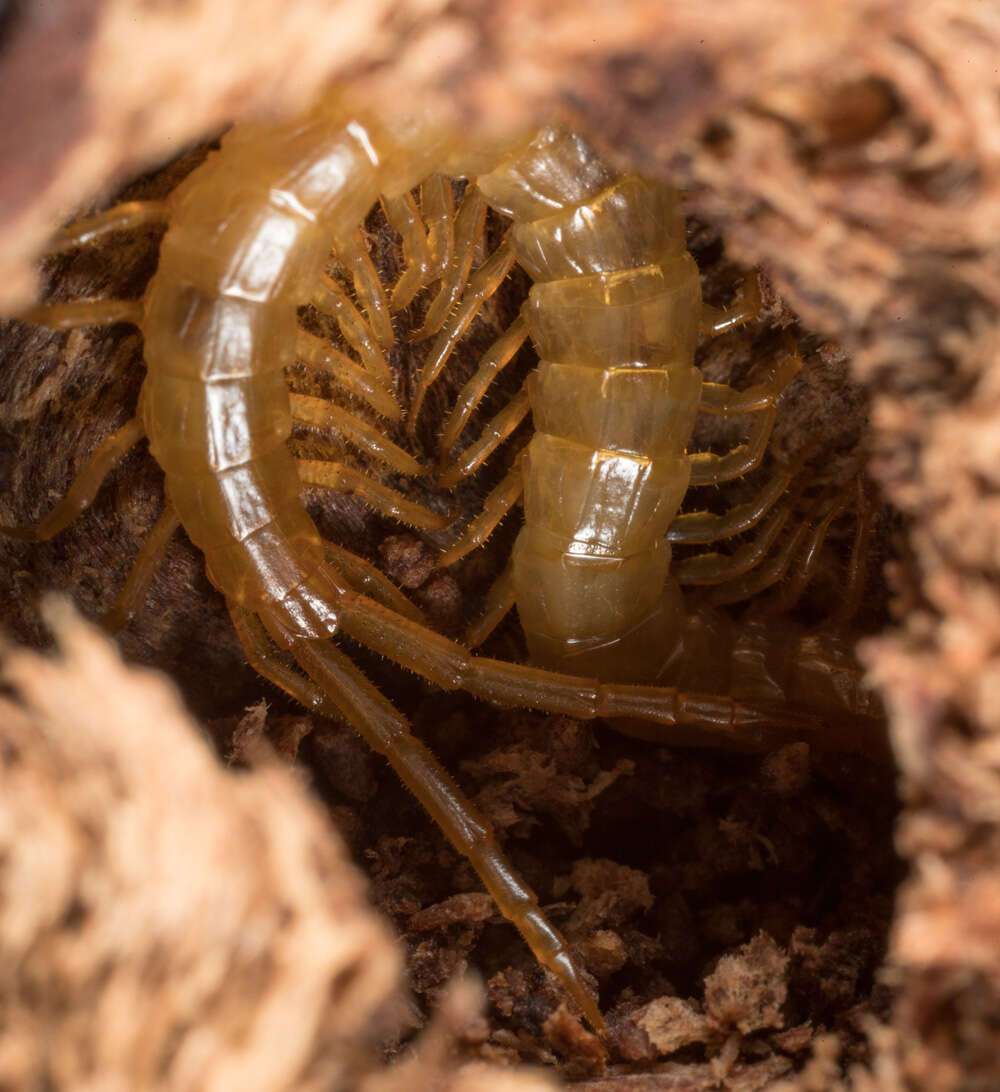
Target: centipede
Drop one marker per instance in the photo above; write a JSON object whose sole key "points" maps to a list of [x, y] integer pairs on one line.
{"points": [[614, 314]]}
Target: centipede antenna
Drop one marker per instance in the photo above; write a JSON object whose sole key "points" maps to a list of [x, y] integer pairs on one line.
{"points": [[127, 216]]}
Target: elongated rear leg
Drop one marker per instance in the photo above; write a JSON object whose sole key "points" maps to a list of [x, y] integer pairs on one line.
{"points": [[450, 666], [335, 687], [133, 594]]}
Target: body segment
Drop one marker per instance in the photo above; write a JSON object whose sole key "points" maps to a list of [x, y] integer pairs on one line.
{"points": [[613, 315]]}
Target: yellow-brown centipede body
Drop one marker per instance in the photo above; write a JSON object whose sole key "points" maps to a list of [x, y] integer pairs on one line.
{"points": [[614, 314]]}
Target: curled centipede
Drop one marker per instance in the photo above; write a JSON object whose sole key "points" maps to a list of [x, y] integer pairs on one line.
{"points": [[614, 315]]}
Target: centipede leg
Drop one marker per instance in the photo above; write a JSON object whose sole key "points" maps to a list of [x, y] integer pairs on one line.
{"points": [[404, 218], [261, 656], [323, 414], [695, 528], [353, 255], [135, 589], [469, 225], [483, 283], [716, 320], [334, 475], [723, 400], [128, 216], [80, 495], [499, 601], [68, 316], [368, 580], [315, 353], [493, 435], [336, 687], [716, 568], [727, 401], [331, 299], [493, 361], [853, 591], [499, 501], [763, 576], [807, 561], [714, 718], [707, 468], [437, 206]]}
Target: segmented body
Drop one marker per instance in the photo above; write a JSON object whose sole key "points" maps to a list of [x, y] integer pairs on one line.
{"points": [[614, 315], [249, 233]]}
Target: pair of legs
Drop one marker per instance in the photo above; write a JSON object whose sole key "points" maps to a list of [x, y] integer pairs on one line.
{"points": [[757, 402]]}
